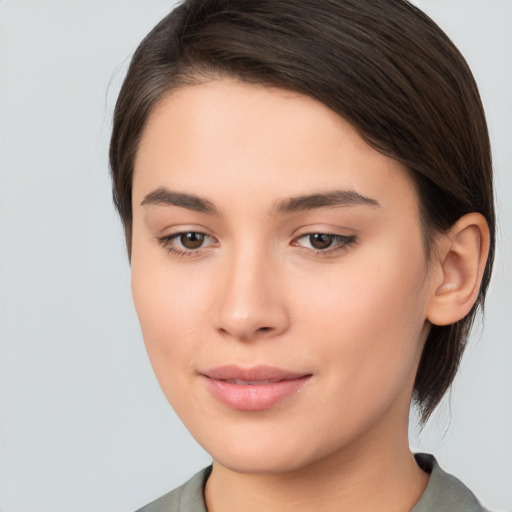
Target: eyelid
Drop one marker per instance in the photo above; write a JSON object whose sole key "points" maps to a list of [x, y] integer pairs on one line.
{"points": [[171, 242], [167, 242], [342, 243]]}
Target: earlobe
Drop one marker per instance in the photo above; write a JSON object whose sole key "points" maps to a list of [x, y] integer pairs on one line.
{"points": [[461, 258]]}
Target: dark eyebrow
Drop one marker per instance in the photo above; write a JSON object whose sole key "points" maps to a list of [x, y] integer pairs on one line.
{"points": [[324, 200], [163, 196]]}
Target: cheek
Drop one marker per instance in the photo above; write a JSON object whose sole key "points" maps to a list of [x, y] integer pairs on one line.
{"points": [[367, 321], [172, 310]]}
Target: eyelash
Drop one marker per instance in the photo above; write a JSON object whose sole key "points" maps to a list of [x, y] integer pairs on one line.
{"points": [[167, 243], [339, 243]]}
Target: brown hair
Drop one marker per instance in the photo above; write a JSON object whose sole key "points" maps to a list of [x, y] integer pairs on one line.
{"points": [[384, 66]]}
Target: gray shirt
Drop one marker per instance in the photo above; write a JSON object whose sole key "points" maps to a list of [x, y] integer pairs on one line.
{"points": [[444, 493]]}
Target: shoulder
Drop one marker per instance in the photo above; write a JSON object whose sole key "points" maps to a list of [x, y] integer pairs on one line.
{"points": [[186, 498], [444, 492]]}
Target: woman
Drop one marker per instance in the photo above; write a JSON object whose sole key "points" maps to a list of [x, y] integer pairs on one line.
{"points": [[306, 191]]}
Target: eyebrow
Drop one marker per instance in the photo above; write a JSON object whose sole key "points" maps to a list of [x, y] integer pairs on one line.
{"points": [[336, 198], [331, 199], [163, 196]]}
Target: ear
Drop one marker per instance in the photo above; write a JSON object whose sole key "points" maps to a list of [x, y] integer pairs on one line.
{"points": [[459, 266]]}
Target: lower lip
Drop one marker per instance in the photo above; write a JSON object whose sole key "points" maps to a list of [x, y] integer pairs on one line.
{"points": [[256, 397]]}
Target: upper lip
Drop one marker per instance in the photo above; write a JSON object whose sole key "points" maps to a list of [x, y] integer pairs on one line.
{"points": [[252, 374]]}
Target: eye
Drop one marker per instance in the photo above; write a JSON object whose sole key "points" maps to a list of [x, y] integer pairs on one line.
{"points": [[321, 240], [191, 240], [324, 242], [186, 243]]}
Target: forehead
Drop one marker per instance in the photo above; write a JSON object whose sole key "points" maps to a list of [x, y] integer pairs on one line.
{"points": [[259, 141]]}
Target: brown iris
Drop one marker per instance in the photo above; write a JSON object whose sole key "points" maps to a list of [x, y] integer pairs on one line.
{"points": [[192, 240], [321, 240]]}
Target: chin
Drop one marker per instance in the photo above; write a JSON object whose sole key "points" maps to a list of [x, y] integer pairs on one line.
{"points": [[277, 462], [251, 452]]}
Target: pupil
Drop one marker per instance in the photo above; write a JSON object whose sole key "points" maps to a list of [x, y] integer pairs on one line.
{"points": [[320, 240], [192, 240]]}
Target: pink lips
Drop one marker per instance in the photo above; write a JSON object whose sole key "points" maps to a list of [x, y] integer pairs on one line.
{"points": [[252, 389]]}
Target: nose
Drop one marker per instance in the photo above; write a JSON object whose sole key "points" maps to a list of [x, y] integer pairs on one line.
{"points": [[252, 301]]}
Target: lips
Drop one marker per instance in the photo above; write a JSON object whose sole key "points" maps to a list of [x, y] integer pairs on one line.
{"points": [[253, 389], [242, 382]]}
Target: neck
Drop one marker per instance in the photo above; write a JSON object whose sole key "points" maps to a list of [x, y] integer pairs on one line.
{"points": [[369, 475]]}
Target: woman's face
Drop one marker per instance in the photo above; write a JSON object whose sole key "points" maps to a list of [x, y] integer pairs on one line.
{"points": [[279, 275]]}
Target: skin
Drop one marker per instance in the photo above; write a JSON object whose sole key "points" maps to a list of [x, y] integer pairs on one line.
{"points": [[255, 291]]}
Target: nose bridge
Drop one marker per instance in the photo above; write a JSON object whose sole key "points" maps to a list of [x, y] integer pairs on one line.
{"points": [[251, 304]]}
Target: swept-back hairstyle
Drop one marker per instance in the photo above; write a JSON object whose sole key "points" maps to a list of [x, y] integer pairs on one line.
{"points": [[384, 66]]}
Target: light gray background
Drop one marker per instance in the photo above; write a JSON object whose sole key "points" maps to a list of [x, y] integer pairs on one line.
{"points": [[84, 426]]}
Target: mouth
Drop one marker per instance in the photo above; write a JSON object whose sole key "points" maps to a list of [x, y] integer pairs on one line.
{"points": [[241, 382], [253, 389]]}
